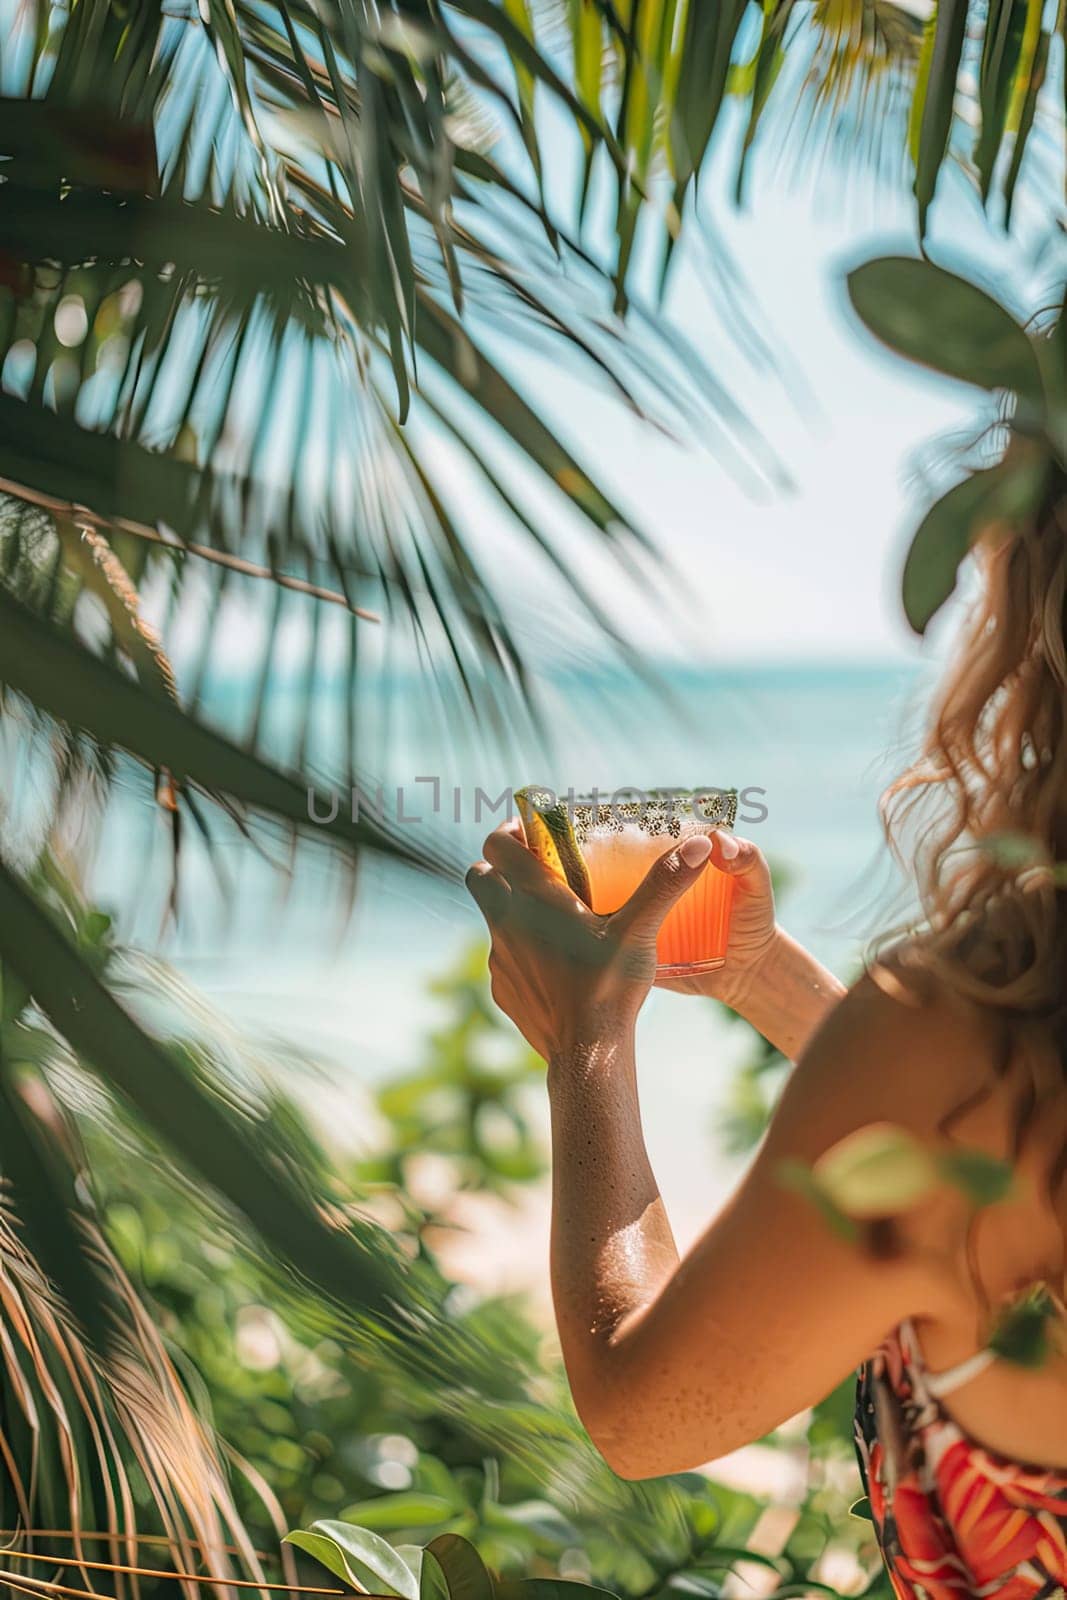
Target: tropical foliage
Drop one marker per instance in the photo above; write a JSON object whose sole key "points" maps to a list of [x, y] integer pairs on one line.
{"points": [[226, 236], [912, 89], [341, 1434], [259, 264], [1019, 478]]}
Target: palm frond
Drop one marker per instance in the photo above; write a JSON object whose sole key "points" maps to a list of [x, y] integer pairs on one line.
{"points": [[235, 242], [98, 1455], [881, 81], [164, 1087]]}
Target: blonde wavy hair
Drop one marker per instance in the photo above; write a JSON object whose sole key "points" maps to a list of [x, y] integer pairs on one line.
{"points": [[981, 815]]}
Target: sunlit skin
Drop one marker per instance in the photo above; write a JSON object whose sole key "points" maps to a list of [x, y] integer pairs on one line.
{"points": [[673, 1362]]}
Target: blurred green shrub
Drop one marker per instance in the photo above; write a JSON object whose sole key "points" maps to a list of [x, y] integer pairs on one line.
{"points": [[469, 1097]]}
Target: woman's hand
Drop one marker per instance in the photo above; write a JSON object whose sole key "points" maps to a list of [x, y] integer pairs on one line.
{"points": [[772, 981], [568, 978], [753, 930]]}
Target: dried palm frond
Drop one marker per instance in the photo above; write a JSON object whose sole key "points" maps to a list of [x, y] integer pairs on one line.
{"points": [[105, 1450]]}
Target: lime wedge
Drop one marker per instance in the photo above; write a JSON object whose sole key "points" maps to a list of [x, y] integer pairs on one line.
{"points": [[550, 835]]}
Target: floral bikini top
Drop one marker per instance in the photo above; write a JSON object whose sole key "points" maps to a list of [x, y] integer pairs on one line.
{"points": [[952, 1518]]}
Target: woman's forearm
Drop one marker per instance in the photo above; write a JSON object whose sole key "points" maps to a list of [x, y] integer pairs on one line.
{"points": [[612, 1245], [787, 995]]}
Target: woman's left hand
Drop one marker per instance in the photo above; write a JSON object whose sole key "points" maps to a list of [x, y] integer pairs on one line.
{"points": [[568, 978]]}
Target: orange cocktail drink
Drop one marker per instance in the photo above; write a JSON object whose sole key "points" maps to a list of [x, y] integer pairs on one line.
{"points": [[605, 844]]}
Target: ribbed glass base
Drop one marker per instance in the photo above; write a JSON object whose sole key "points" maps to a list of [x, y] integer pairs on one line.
{"points": [[689, 969]]}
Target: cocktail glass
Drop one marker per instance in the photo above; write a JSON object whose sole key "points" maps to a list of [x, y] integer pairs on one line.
{"points": [[619, 836]]}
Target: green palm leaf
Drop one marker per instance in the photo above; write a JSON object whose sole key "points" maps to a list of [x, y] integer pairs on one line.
{"points": [[89, 696], [215, 308], [859, 78], [166, 1094]]}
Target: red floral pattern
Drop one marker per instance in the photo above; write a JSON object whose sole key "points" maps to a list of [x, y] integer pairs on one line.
{"points": [[952, 1518]]}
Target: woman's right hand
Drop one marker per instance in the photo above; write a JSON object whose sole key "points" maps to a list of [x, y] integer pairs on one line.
{"points": [[753, 928], [773, 982]]}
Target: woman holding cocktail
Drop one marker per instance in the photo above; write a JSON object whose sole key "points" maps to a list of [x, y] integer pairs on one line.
{"points": [[942, 1072]]}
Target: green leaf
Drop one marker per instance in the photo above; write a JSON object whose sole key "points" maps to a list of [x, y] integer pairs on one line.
{"points": [[935, 123], [1024, 1333], [465, 1573], [14, 996], [220, 19], [876, 1171], [324, 1550], [587, 43], [861, 1508], [1007, 492], [41, 1188], [444, 339], [922, 79], [524, 53], [983, 1178], [96, 929], [765, 69], [706, 52], [548, 1589], [359, 1555], [519, 13], [941, 321], [401, 1510], [44, 140], [427, 1569], [1034, 83], [941, 542], [1002, 44]]}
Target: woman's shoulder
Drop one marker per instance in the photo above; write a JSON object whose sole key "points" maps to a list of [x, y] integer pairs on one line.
{"points": [[953, 1073], [924, 1060]]}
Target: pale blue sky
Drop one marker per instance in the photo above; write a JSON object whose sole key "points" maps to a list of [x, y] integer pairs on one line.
{"points": [[813, 573]]}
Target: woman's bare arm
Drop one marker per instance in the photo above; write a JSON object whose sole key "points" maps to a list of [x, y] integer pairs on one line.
{"points": [[789, 996], [612, 1247], [673, 1363], [767, 978]]}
